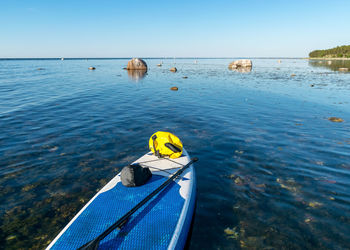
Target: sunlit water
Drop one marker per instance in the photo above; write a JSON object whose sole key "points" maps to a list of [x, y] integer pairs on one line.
{"points": [[273, 171]]}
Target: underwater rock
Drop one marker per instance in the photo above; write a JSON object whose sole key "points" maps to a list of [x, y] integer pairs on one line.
{"points": [[53, 149], [289, 184], [335, 119], [253, 242], [258, 188], [28, 187], [231, 233], [136, 64], [92, 68], [239, 180], [314, 204], [292, 75], [40, 69], [174, 69], [240, 63], [174, 88], [11, 237], [307, 220]]}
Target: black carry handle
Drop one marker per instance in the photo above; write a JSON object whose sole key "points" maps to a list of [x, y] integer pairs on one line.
{"points": [[156, 152], [93, 244], [172, 147]]}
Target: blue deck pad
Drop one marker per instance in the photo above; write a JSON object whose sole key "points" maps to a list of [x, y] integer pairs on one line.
{"points": [[151, 227]]}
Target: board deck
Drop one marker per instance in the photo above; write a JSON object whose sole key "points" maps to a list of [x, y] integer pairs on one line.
{"points": [[162, 223]]}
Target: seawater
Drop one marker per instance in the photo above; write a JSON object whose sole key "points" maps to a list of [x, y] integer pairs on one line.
{"points": [[273, 171]]}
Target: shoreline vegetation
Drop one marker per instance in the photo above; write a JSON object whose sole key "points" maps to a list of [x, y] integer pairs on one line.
{"points": [[342, 52], [328, 58]]}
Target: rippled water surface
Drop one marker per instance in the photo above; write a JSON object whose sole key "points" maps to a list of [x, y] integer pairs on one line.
{"points": [[273, 173]]}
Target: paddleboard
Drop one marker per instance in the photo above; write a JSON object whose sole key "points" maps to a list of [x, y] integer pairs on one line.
{"points": [[162, 223]]}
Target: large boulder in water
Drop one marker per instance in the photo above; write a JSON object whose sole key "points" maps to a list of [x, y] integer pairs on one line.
{"points": [[240, 64], [136, 64]]}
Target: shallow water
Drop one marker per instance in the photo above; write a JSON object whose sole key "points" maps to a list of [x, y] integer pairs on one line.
{"points": [[274, 172]]}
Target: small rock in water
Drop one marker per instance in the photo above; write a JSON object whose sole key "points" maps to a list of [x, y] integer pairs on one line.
{"points": [[174, 88], [173, 69], [335, 119], [184, 77], [40, 68], [124, 68], [292, 75], [312, 85], [92, 68]]}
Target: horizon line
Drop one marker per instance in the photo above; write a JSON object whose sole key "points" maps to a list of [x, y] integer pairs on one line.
{"points": [[111, 58]]}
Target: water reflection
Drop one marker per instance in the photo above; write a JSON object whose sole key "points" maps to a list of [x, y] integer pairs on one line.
{"points": [[334, 65], [243, 69], [137, 75]]}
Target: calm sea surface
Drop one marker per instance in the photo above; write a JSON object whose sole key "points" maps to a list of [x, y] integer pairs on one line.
{"points": [[273, 171]]}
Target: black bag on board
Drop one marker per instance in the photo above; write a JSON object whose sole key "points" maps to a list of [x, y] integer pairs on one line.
{"points": [[134, 175]]}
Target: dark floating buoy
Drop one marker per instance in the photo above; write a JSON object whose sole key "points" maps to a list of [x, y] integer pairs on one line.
{"points": [[173, 69], [174, 88], [335, 119], [92, 68]]}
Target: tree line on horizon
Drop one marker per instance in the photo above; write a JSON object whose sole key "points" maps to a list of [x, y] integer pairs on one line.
{"points": [[337, 52]]}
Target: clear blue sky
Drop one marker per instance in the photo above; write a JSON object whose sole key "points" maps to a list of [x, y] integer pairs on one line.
{"points": [[255, 28]]}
